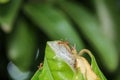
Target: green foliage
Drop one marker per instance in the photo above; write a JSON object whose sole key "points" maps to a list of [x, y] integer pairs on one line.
{"points": [[56, 68], [4, 1], [22, 45], [8, 14], [53, 22], [90, 28], [26, 25]]}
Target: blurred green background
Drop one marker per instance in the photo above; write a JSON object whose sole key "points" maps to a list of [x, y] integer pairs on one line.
{"points": [[26, 26]]}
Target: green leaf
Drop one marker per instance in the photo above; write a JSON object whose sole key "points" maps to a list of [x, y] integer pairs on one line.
{"points": [[106, 12], [96, 69], [79, 75], [61, 63], [35, 77], [4, 1], [90, 28], [94, 65], [22, 45], [54, 67], [8, 14], [53, 22]]}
